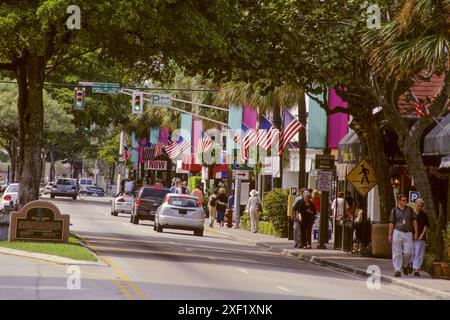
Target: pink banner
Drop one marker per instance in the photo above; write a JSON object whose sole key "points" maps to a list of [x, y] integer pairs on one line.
{"points": [[338, 122], [249, 116], [164, 135], [197, 128]]}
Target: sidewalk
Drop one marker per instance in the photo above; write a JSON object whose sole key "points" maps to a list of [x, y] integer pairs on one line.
{"points": [[340, 260]]}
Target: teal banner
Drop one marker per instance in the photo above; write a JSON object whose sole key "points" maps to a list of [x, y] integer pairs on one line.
{"points": [[186, 129], [234, 130], [154, 135], [135, 146], [317, 124]]}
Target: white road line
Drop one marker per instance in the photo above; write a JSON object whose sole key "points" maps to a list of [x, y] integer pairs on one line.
{"points": [[242, 270], [213, 259], [188, 249], [143, 231], [284, 289]]}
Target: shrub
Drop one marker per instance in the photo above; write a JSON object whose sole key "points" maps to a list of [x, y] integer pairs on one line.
{"points": [[265, 227], [275, 207]]}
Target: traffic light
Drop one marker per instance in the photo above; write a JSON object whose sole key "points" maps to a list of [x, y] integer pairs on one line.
{"points": [[79, 99], [137, 102]]}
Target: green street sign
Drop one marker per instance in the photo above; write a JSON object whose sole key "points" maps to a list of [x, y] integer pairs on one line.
{"points": [[104, 87]]}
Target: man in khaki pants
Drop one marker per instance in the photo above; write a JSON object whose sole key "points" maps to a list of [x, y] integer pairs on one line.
{"points": [[402, 224]]}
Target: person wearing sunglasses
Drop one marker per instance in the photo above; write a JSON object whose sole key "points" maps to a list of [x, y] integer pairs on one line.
{"points": [[402, 225]]}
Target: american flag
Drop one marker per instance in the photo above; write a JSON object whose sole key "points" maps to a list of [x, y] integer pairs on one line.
{"points": [[248, 139], [291, 126], [126, 153], [176, 148], [205, 143], [267, 134], [421, 109], [158, 149]]}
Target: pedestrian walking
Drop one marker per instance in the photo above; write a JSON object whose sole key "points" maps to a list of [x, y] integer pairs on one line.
{"points": [[212, 209], [253, 208], [402, 224], [423, 224], [222, 200], [230, 210], [307, 214], [316, 200], [198, 193], [297, 233], [338, 208], [184, 188]]}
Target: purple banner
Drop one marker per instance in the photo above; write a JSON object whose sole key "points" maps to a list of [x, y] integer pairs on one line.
{"points": [[338, 122], [164, 135], [249, 116]]}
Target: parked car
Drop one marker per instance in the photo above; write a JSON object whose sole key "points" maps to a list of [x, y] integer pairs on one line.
{"points": [[85, 183], [11, 194], [48, 188], [122, 203], [64, 187], [146, 202], [183, 212]]}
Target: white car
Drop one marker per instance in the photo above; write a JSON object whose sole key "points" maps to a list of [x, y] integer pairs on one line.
{"points": [[183, 212], [11, 194], [122, 203], [85, 183]]}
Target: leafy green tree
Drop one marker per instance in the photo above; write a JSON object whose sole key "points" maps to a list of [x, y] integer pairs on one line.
{"points": [[142, 35]]}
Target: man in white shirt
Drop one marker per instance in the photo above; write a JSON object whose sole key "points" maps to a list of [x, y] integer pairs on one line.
{"points": [[338, 207], [129, 186]]}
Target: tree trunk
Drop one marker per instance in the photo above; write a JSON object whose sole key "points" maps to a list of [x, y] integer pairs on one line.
{"points": [[276, 109], [52, 166], [30, 78], [302, 140], [370, 135]]}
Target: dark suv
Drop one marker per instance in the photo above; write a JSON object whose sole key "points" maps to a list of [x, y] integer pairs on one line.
{"points": [[146, 202]]}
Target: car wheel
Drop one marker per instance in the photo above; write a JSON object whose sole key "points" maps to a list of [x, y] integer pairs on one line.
{"points": [[159, 228], [52, 196], [198, 233], [74, 197], [154, 226], [135, 220], [114, 213]]}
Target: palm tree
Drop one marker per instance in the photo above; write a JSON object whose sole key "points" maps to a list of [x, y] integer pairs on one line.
{"points": [[265, 98], [416, 39]]}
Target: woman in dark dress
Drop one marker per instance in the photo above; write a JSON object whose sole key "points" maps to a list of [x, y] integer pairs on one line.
{"points": [[221, 206]]}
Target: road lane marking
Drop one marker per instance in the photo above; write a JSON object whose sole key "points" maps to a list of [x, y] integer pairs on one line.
{"points": [[122, 277], [213, 259], [243, 271], [284, 289], [188, 249]]}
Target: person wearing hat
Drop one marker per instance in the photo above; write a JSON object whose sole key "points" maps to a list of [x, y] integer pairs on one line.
{"points": [[253, 208], [221, 207], [307, 213], [423, 224]]}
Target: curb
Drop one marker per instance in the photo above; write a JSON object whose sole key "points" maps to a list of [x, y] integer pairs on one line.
{"points": [[46, 257], [84, 200], [341, 267], [388, 280]]}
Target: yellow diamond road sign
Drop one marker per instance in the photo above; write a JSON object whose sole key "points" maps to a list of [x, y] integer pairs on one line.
{"points": [[362, 177]]}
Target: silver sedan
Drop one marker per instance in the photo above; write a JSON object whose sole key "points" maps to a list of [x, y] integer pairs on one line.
{"points": [[182, 212]]}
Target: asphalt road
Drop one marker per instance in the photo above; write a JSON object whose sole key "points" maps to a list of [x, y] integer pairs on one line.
{"points": [[176, 265]]}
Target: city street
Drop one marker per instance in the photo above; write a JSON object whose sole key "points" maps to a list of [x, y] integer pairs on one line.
{"points": [[176, 265]]}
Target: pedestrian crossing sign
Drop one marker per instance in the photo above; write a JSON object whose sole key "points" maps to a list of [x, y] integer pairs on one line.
{"points": [[362, 177]]}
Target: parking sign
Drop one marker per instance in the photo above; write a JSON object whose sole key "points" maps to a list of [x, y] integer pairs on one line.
{"points": [[413, 196]]}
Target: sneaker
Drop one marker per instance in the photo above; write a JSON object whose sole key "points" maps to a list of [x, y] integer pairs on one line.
{"points": [[405, 271], [397, 274], [416, 274]]}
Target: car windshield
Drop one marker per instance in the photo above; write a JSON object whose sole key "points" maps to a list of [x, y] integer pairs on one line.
{"points": [[89, 182], [66, 182], [183, 202], [154, 193], [12, 188]]}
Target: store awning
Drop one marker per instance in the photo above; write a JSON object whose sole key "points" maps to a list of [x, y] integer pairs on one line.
{"points": [[437, 142], [349, 148]]}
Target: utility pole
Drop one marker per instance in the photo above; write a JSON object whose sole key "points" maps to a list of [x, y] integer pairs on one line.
{"points": [[302, 117]]}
